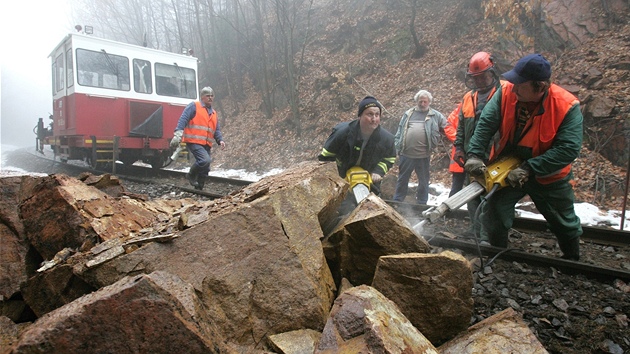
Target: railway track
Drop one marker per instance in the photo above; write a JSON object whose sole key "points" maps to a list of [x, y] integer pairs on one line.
{"points": [[217, 187]]}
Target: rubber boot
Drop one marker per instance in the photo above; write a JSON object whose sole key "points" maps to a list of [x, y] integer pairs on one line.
{"points": [[570, 249], [192, 176], [201, 181]]}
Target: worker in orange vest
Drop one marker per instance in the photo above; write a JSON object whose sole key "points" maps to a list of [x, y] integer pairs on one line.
{"points": [[483, 81], [198, 126], [542, 124]]}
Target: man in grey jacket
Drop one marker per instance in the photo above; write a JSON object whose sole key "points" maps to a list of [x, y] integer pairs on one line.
{"points": [[419, 131]]}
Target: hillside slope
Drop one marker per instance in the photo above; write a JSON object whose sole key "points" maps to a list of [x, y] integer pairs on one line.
{"points": [[360, 50]]}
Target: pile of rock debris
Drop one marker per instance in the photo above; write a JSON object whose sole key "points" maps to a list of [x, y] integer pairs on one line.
{"points": [[90, 267]]}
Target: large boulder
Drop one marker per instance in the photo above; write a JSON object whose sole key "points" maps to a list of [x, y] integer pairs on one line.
{"points": [[13, 243], [256, 261], [62, 212], [364, 321], [156, 313], [372, 230], [434, 291]]}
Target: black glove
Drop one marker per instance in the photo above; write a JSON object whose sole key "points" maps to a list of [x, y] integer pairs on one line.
{"points": [[474, 166], [459, 157], [518, 176]]}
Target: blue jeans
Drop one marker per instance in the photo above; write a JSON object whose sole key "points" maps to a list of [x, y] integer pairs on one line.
{"points": [[201, 153], [421, 167]]}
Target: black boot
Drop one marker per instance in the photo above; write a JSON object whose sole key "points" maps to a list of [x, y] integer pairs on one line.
{"points": [[192, 176], [570, 249], [201, 181]]}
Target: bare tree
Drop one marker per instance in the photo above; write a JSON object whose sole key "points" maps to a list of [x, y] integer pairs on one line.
{"points": [[293, 41], [419, 49]]}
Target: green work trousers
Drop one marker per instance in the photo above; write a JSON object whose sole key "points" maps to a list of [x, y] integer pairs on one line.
{"points": [[554, 201]]}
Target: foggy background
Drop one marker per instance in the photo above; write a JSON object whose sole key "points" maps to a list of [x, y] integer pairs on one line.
{"points": [[30, 31]]}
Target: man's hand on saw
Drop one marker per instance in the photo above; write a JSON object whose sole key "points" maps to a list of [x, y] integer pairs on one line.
{"points": [[459, 157], [474, 166], [518, 176]]}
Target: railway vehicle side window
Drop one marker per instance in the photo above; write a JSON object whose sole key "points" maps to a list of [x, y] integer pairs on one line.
{"points": [[54, 77], [101, 69], [176, 81], [142, 76], [59, 76], [69, 72]]}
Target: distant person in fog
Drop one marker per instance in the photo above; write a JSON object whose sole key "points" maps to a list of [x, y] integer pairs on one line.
{"points": [[197, 127], [419, 131]]}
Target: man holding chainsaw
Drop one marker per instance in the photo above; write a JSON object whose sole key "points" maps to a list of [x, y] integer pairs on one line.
{"points": [[540, 123], [483, 80], [361, 142], [197, 127]]}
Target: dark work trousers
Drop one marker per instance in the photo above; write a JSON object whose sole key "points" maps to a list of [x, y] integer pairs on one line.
{"points": [[457, 183], [421, 167], [554, 201], [201, 153]]}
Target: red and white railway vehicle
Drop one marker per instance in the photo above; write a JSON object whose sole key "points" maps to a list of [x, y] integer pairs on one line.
{"points": [[117, 101]]}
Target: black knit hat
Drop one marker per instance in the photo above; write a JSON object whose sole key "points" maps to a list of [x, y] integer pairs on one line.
{"points": [[368, 102]]}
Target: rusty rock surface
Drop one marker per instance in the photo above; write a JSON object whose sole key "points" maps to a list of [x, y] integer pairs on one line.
{"points": [[362, 320], [139, 314], [434, 291]]}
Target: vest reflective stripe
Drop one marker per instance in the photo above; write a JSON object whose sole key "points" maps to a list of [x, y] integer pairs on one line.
{"points": [[469, 108], [542, 127], [200, 130]]}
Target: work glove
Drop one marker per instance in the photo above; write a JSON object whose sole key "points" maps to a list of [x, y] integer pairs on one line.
{"points": [[518, 176], [474, 166], [376, 178], [459, 157], [177, 139]]}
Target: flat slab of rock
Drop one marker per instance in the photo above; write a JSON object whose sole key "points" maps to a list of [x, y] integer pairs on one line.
{"points": [[295, 342], [505, 332]]}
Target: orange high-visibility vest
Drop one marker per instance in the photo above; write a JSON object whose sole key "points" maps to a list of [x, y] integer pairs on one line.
{"points": [[451, 133], [200, 130], [541, 129]]}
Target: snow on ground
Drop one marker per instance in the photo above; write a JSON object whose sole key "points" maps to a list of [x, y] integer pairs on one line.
{"points": [[589, 214]]}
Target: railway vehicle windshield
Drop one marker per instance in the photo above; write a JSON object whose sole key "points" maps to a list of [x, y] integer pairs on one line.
{"points": [[173, 80], [100, 69]]}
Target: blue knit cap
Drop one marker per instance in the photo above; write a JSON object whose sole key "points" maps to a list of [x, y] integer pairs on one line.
{"points": [[368, 102]]}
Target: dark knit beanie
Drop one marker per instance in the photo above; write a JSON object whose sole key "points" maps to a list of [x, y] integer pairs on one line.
{"points": [[368, 102]]}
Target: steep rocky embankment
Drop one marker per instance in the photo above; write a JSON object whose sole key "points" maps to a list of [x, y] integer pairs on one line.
{"points": [[358, 50]]}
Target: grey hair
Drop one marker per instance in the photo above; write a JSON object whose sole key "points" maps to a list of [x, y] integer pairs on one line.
{"points": [[423, 93], [207, 91]]}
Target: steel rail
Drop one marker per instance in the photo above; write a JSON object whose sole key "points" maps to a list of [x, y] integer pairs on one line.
{"points": [[566, 266], [600, 235]]}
